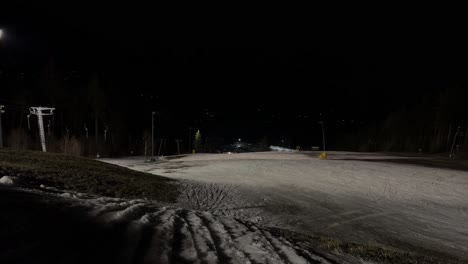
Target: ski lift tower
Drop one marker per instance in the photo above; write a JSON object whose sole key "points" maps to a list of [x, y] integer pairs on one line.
{"points": [[41, 111]]}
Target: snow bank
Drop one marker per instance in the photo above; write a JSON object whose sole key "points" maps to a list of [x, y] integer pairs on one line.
{"points": [[67, 195], [143, 231], [281, 149], [8, 180]]}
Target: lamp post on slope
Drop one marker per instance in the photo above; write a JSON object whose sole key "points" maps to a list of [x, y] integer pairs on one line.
{"points": [[323, 135], [152, 135]]}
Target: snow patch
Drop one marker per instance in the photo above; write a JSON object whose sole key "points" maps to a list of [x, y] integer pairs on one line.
{"points": [[281, 149], [8, 180], [348, 193], [67, 195]]}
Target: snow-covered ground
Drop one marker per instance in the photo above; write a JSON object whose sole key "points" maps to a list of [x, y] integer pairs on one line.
{"points": [[402, 206], [53, 226], [281, 149]]}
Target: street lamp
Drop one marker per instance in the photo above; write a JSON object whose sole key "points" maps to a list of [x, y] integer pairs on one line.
{"points": [[323, 135], [29, 126], [1, 135], [190, 140]]}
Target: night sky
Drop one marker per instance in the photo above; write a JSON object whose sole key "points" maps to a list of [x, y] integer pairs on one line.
{"points": [[237, 74]]}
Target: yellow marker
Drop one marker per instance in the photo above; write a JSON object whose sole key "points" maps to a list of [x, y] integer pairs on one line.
{"points": [[323, 155]]}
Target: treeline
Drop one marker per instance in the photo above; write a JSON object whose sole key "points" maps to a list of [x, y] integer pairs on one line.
{"points": [[437, 123], [92, 115]]}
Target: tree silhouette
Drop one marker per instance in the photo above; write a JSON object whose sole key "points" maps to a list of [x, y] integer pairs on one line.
{"points": [[197, 144]]}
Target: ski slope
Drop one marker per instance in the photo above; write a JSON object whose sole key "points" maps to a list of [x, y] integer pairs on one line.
{"points": [[389, 204]]}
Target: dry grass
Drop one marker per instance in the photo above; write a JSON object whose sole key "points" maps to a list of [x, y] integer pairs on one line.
{"points": [[84, 175], [325, 246]]}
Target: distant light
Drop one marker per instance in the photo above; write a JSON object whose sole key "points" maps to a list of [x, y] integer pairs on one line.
{"points": [[1, 33], [239, 139]]}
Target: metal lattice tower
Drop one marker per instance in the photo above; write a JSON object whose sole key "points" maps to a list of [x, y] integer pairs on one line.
{"points": [[41, 111]]}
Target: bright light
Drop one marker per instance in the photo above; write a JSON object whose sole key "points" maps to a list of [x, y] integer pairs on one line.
{"points": [[1, 33], [239, 139]]}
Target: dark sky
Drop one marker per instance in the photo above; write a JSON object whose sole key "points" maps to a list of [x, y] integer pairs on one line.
{"points": [[242, 65]]}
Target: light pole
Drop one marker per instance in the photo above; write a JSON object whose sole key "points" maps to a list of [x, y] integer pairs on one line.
{"points": [[1, 135], [453, 144], [190, 140], [29, 126], [86, 130], [1, 106], [323, 135], [105, 134], [48, 128], [152, 135], [178, 149]]}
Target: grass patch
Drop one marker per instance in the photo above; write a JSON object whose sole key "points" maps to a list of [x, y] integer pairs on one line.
{"points": [[440, 163], [324, 245], [444, 163], [84, 175]]}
